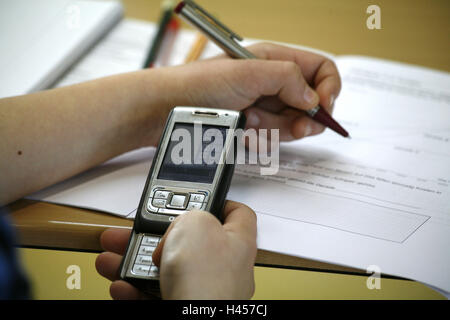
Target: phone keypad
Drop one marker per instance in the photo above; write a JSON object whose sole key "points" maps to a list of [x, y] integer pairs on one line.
{"points": [[143, 259], [176, 203], [146, 250], [143, 264], [141, 270], [194, 206], [161, 194], [197, 197], [159, 203], [151, 241]]}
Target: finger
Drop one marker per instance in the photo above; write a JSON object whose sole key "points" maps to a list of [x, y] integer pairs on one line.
{"points": [[122, 290], [309, 62], [283, 79], [248, 219], [306, 127], [241, 220], [319, 71], [316, 69], [302, 125], [293, 124], [327, 84], [115, 240], [271, 103], [157, 254], [107, 265], [261, 119]]}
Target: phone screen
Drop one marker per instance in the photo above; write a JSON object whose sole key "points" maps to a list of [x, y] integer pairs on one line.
{"points": [[193, 153]]}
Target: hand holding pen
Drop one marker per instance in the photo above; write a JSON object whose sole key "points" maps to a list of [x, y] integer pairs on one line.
{"points": [[311, 102]]}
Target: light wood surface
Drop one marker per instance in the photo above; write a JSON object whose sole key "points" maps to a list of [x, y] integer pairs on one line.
{"points": [[412, 31]]}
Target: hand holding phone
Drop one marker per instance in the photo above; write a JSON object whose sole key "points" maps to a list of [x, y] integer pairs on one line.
{"points": [[193, 268], [204, 259], [191, 170]]}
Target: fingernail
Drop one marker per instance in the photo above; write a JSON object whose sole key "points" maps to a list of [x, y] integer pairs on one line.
{"points": [[252, 119], [308, 130], [331, 100], [309, 95]]}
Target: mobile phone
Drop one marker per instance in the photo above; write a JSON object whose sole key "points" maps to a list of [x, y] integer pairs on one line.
{"points": [[191, 169]]}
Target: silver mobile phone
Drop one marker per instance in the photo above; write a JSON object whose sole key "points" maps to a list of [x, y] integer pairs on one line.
{"points": [[192, 169]]}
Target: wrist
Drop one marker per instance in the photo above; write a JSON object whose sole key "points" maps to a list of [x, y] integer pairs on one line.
{"points": [[151, 105]]}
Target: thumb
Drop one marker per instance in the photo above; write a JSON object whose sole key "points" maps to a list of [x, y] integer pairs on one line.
{"points": [[156, 256]]}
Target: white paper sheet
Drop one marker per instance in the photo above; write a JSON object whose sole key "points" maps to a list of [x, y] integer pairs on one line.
{"points": [[381, 198]]}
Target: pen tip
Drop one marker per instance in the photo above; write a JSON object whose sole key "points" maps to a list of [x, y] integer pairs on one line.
{"points": [[349, 137]]}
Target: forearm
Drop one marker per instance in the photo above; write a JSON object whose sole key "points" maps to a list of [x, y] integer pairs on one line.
{"points": [[52, 135], [49, 136]]}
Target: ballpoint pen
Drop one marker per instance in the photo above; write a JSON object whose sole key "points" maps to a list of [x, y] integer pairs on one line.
{"points": [[227, 40]]}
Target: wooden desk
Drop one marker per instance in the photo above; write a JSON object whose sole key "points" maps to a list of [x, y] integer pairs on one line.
{"points": [[412, 31], [45, 225]]}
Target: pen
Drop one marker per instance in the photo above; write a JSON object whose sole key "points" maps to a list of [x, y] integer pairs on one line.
{"points": [[167, 7], [197, 48], [227, 40]]}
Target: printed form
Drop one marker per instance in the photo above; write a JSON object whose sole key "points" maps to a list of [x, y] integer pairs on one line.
{"points": [[381, 198]]}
